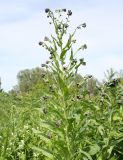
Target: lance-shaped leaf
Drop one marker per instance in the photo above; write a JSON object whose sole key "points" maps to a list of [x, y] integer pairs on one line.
{"points": [[63, 86], [45, 152], [66, 48], [52, 127], [42, 136]]}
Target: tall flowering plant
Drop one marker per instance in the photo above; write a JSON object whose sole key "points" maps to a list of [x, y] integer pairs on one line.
{"points": [[60, 121]]}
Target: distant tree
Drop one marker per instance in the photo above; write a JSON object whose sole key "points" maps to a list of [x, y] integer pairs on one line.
{"points": [[28, 78]]}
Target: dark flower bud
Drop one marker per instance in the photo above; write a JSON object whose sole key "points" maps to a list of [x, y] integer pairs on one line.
{"points": [[69, 13], [50, 22], [59, 27], [47, 62], [64, 10], [49, 135], [51, 57], [40, 43], [73, 100], [81, 60], [84, 25], [78, 27], [84, 46], [78, 85], [43, 65], [89, 76], [47, 10], [46, 39], [74, 41], [66, 25], [87, 113], [64, 68], [84, 63], [78, 97], [74, 61], [58, 123], [45, 97], [45, 111], [50, 87], [112, 85], [119, 102], [42, 75], [51, 53]]}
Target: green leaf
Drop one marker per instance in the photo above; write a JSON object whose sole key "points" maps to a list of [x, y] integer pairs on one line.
{"points": [[52, 127], [63, 54], [63, 86], [42, 136], [66, 48], [101, 130], [110, 150], [45, 152], [94, 149], [86, 154], [71, 55]]}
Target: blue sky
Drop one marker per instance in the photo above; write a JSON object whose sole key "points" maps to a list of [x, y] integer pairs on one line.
{"points": [[23, 24]]}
